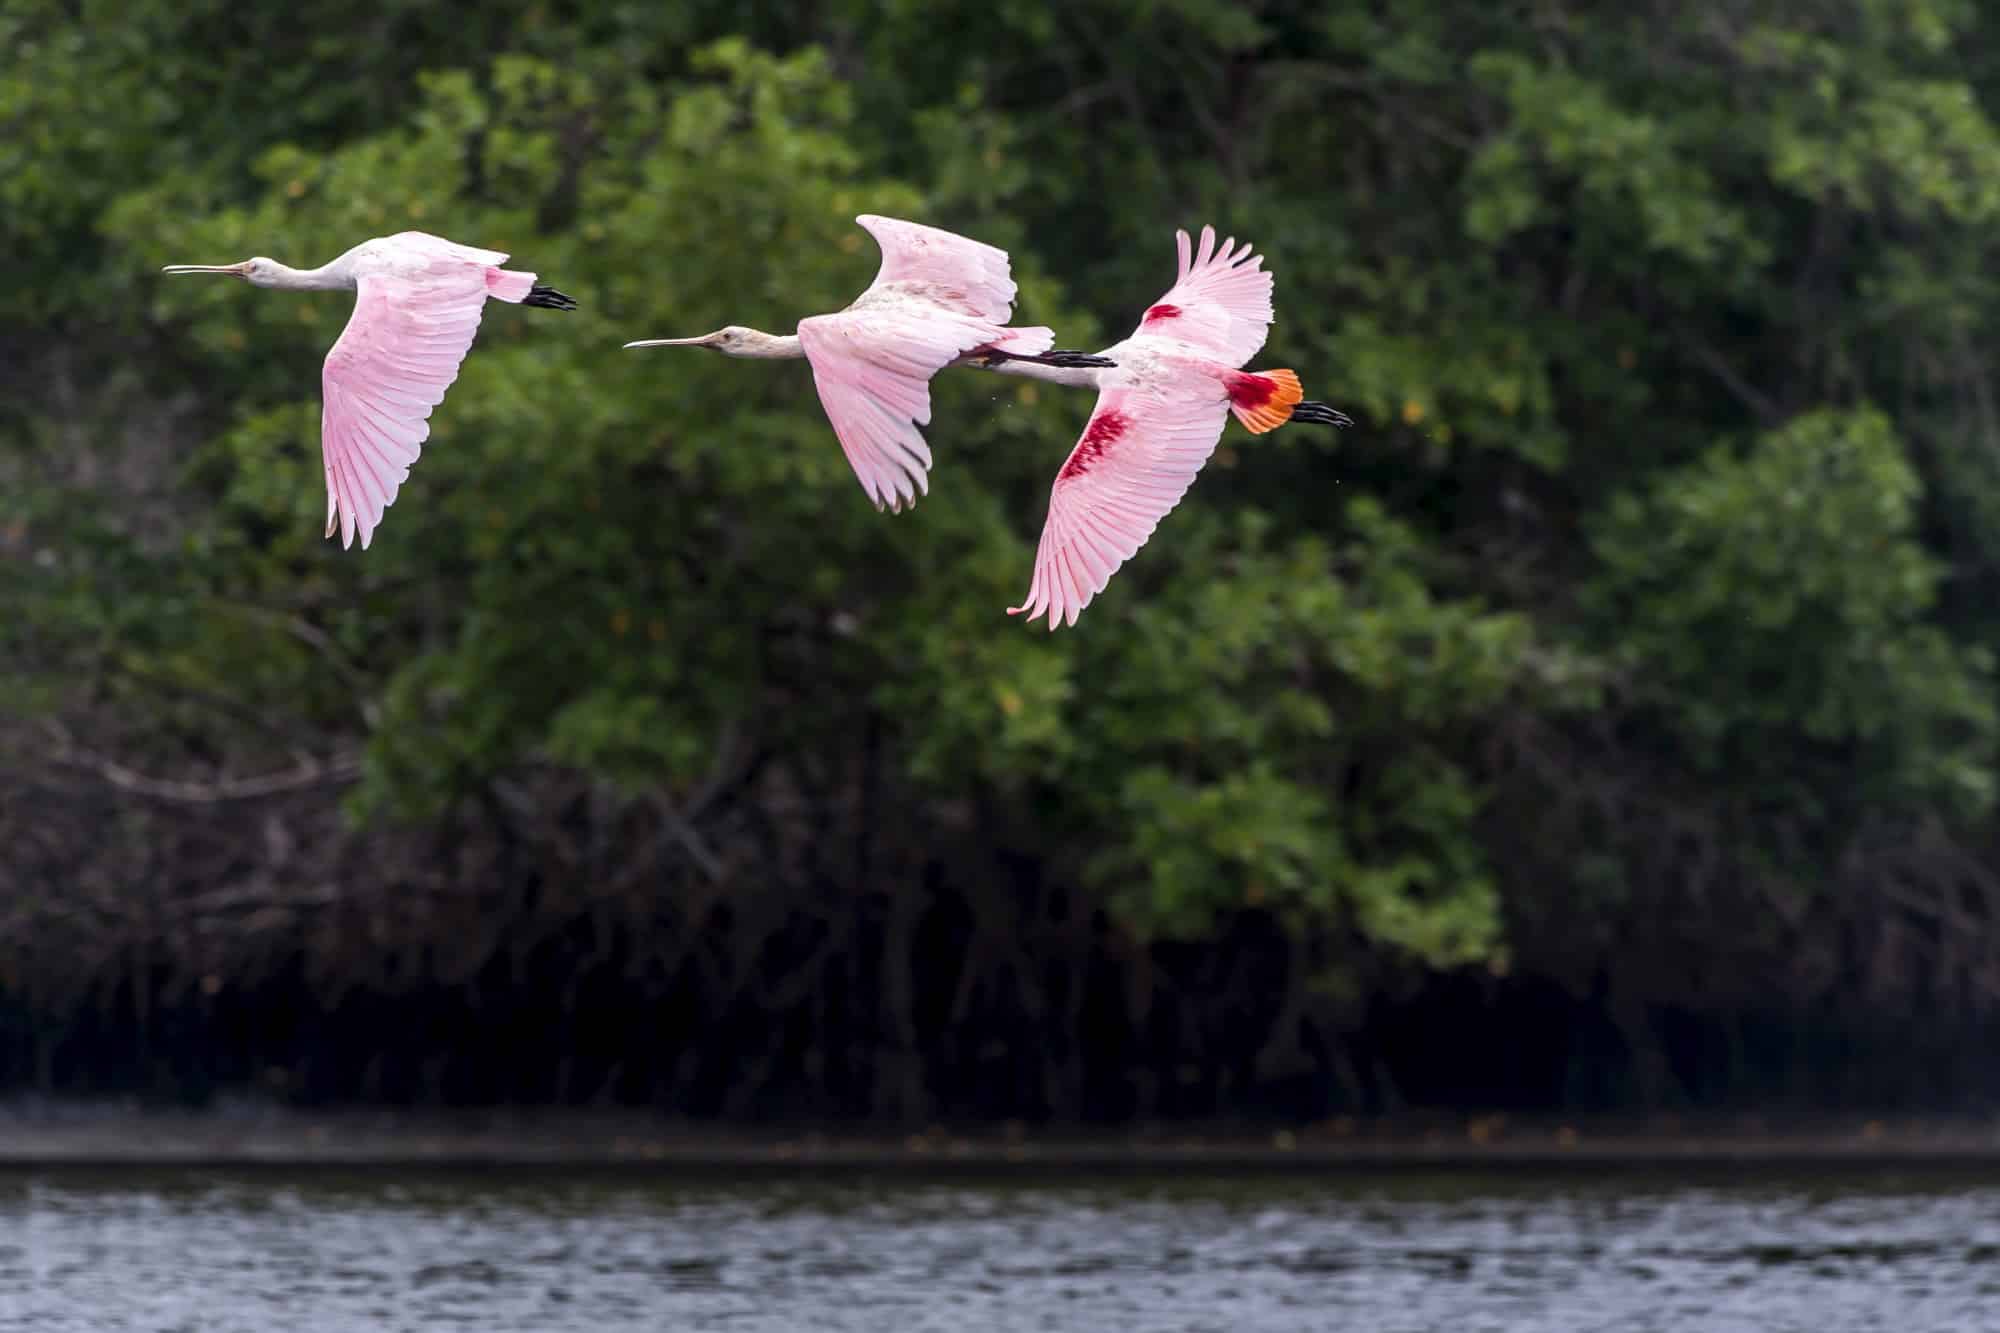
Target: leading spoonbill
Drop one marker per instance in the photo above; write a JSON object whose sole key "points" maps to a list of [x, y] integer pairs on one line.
{"points": [[417, 303], [1161, 407], [938, 297]]}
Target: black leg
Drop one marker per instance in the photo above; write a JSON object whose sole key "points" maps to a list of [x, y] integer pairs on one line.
{"points": [[1068, 360], [548, 298], [1073, 360], [1315, 413]]}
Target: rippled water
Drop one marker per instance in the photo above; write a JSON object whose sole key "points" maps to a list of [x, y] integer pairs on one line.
{"points": [[211, 1251]]}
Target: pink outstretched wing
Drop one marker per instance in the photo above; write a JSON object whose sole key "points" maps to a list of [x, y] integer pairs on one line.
{"points": [[962, 274], [1138, 455], [937, 295], [873, 370], [422, 243], [1220, 302], [414, 320]]}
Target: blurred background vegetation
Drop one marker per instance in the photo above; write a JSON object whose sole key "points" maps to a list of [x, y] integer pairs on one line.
{"points": [[1606, 722]]}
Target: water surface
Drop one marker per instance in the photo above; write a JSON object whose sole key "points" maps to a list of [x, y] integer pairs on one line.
{"points": [[214, 1251]]}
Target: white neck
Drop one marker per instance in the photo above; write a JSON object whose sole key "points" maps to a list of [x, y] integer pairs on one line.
{"points": [[1075, 377], [334, 277], [773, 347]]}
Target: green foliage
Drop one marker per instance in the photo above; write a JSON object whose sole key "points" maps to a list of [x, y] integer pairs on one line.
{"points": [[1776, 600], [1670, 333]]}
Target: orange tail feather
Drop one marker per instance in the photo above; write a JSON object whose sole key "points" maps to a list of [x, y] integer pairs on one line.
{"points": [[1264, 401]]}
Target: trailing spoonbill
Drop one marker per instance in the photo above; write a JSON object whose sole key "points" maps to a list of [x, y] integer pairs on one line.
{"points": [[418, 299], [937, 297], [1161, 405]]}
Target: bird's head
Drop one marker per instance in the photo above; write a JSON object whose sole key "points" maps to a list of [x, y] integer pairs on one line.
{"points": [[732, 340], [258, 272]]}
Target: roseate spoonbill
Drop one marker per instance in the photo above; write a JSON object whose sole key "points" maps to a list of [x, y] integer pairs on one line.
{"points": [[418, 299], [1161, 407], [937, 296]]}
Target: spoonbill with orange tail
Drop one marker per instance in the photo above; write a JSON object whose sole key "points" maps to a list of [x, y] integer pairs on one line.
{"points": [[1160, 411], [417, 303], [938, 297]]}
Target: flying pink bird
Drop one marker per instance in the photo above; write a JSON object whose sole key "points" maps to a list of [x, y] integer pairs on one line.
{"points": [[1161, 407], [418, 299], [937, 297]]}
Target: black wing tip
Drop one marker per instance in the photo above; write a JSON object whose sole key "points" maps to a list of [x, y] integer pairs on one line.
{"points": [[548, 298]]}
